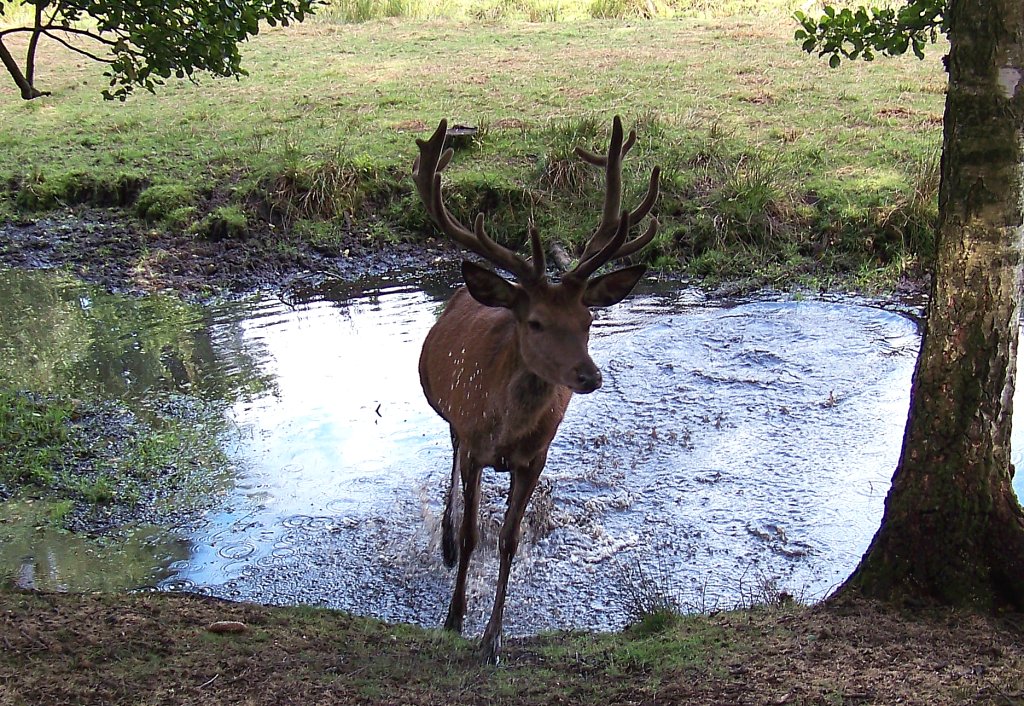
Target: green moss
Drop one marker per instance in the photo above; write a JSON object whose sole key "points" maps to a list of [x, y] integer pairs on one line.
{"points": [[167, 202], [224, 223]]}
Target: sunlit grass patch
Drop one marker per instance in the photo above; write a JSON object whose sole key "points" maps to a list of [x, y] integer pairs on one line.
{"points": [[763, 148]]}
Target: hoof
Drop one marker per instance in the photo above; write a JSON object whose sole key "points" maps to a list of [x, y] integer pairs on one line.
{"points": [[453, 624], [490, 648], [449, 553]]}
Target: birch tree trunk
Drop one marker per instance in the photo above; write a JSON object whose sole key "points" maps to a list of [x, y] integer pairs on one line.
{"points": [[953, 530]]}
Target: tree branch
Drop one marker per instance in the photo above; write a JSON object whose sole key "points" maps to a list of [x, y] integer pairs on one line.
{"points": [[79, 50], [28, 91], [80, 32], [33, 43]]}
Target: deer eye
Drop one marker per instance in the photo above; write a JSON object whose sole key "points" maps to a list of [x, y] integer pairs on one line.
{"points": [[535, 325]]}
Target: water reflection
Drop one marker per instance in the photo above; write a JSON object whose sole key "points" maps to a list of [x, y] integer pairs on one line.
{"points": [[730, 446], [34, 555], [60, 335]]}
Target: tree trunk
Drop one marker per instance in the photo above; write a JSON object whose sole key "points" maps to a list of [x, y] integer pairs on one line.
{"points": [[28, 91], [953, 530]]}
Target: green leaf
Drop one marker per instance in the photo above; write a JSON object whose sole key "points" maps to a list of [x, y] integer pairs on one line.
{"points": [[834, 61], [152, 40]]}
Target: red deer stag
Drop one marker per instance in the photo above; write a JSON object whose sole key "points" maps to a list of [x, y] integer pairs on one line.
{"points": [[503, 359]]}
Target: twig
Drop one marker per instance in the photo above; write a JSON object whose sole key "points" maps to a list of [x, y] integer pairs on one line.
{"points": [[209, 681]]}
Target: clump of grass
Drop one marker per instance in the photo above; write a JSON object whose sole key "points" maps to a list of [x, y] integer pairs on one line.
{"points": [[224, 223], [366, 10], [651, 604], [623, 9], [40, 191], [171, 203], [33, 437], [310, 188], [762, 591], [747, 201], [561, 171], [908, 225]]}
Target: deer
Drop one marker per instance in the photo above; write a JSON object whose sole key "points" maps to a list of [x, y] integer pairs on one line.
{"points": [[504, 358]]}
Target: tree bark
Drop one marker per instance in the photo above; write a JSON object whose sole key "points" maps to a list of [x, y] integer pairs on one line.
{"points": [[28, 91], [953, 530], [33, 44]]}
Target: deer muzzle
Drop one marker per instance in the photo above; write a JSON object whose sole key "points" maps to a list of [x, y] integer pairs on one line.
{"points": [[587, 378]]}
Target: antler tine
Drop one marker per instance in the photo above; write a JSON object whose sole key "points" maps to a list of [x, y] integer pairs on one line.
{"points": [[612, 162], [587, 267], [600, 160], [502, 256], [653, 187], [426, 173], [637, 243], [537, 261], [597, 251]]}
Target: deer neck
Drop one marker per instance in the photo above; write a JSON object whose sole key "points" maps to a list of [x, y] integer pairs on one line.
{"points": [[529, 397]]}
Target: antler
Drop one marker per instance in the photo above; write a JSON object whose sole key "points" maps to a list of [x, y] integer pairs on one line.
{"points": [[609, 240], [426, 172]]}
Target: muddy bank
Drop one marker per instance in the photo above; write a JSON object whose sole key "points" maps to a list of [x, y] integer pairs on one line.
{"points": [[111, 248]]}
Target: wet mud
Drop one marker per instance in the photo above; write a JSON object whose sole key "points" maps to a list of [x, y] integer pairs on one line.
{"points": [[108, 248]]}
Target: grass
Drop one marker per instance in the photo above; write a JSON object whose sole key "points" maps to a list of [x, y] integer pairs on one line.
{"points": [[100, 465], [771, 160], [34, 439], [557, 10], [159, 649]]}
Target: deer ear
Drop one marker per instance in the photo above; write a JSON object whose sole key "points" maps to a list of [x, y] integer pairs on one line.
{"points": [[489, 288], [613, 287]]}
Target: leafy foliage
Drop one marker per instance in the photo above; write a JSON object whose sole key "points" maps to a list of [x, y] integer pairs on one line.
{"points": [[145, 42], [860, 33]]}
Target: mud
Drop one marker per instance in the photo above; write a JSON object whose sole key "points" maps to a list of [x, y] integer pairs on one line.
{"points": [[122, 254]]}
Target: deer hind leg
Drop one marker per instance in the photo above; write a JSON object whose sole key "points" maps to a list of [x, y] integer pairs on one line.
{"points": [[523, 481], [470, 472], [449, 545]]}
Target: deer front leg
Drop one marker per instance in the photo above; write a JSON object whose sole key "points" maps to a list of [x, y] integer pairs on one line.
{"points": [[449, 546], [470, 535], [523, 481]]}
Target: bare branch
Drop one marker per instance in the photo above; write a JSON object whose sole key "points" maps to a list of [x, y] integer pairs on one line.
{"points": [[79, 32], [78, 50]]}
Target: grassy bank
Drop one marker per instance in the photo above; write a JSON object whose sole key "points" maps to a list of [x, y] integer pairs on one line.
{"points": [[159, 649], [774, 164]]}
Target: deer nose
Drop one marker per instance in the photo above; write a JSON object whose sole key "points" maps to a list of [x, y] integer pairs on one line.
{"points": [[588, 379]]}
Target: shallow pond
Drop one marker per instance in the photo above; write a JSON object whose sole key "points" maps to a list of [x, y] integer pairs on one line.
{"points": [[735, 449]]}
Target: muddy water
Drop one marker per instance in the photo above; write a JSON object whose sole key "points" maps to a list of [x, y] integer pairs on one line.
{"points": [[734, 449]]}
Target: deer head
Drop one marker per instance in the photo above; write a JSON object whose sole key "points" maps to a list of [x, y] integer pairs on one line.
{"points": [[552, 318]]}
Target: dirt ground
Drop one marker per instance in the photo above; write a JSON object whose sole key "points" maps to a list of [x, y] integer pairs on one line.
{"points": [[176, 649]]}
